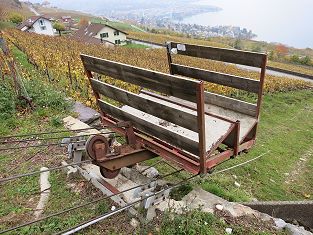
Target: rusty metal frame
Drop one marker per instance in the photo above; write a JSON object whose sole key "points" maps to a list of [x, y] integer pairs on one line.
{"points": [[238, 146], [149, 146]]}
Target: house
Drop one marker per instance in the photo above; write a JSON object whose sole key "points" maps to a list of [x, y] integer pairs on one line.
{"points": [[100, 33], [67, 21], [37, 24]]}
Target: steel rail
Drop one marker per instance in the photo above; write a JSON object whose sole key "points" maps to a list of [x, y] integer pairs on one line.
{"points": [[128, 205], [106, 215], [86, 204]]}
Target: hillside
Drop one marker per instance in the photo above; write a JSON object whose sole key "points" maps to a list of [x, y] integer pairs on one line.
{"points": [[11, 6]]}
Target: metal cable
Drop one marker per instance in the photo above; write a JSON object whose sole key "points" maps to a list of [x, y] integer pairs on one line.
{"points": [[53, 132], [149, 167], [91, 222], [40, 145], [39, 172], [86, 204], [52, 138], [104, 216]]}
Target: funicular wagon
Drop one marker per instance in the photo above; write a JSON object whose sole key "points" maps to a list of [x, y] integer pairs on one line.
{"points": [[173, 116]]}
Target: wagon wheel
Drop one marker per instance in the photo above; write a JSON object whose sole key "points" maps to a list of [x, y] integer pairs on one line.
{"points": [[90, 149], [92, 141], [106, 173]]}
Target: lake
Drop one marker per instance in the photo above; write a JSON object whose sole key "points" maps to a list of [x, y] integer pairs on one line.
{"points": [[284, 21]]}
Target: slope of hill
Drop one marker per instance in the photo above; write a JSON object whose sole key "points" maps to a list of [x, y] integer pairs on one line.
{"points": [[8, 7]]}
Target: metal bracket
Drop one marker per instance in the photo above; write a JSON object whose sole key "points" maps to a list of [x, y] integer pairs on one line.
{"points": [[148, 190]]}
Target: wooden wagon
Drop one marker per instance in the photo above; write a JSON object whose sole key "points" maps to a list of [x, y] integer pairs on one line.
{"points": [[173, 116]]}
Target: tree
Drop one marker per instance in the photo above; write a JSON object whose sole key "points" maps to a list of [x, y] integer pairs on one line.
{"points": [[83, 22], [295, 59], [16, 18], [306, 60], [59, 27], [238, 44], [281, 50]]}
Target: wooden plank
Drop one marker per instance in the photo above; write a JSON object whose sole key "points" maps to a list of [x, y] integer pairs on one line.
{"points": [[146, 105], [241, 83], [151, 129], [165, 83], [230, 103], [220, 54]]}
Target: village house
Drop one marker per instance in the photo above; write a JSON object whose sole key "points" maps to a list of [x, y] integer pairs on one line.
{"points": [[37, 24], [100, 33]]}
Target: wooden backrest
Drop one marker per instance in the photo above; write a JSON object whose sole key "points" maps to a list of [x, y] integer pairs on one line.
{"points": [[246, 58], [220, 54], [183, 88]]}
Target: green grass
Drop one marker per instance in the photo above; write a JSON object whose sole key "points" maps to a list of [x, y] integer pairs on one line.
{"points": [[136, 46], [286, 130], [6, 25]]}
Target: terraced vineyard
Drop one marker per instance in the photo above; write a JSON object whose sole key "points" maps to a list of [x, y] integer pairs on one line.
{"points": [[291, 67], [59, 60], [162, 38]]}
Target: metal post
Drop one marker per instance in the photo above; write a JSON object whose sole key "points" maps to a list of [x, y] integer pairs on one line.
{"points": [[201, 127]]}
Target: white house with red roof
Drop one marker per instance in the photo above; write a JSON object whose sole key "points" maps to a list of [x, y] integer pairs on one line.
{"points": [[37, 24]]}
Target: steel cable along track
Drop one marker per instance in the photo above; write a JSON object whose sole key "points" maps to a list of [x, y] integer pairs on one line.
{"points": [[54, 132], [93, 221], [49, 138], [107, 215], [86, 204]]}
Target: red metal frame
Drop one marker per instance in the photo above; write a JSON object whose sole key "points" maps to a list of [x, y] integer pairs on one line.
{"points": [[206, 160]]}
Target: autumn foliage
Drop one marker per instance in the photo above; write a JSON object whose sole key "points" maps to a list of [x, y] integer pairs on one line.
{"points": [[59, 58]]}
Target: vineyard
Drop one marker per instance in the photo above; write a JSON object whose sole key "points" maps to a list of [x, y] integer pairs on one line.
{"points": [[58, 58], [292, 67], [162, 38]]}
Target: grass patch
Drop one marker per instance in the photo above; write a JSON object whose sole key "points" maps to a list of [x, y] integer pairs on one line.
{"points": [[136, 46], [286, 129]]}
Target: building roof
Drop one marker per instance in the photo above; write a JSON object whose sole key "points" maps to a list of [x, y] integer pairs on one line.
{"points": [[87, 33], [30, 21], [92, 30]]}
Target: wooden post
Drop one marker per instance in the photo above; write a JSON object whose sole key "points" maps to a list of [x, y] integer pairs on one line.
{"points": [[262, 79], [201, 127], [169, 57], [69, 73]]}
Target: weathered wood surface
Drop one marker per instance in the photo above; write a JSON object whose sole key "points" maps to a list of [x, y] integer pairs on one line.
{"points": [[241, 83], [147, 105], [151, 129], [220, 54], [215, 127], [161, 82], [230, 103]]}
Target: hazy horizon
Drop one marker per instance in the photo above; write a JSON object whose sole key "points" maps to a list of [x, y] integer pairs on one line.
{"points": [[286, 22]]}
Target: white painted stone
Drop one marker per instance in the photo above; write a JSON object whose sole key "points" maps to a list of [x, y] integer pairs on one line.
{"points": [[237, 184], [229, 230], [280, 224], [134, 223], [219, 207]]}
